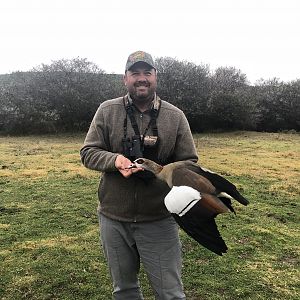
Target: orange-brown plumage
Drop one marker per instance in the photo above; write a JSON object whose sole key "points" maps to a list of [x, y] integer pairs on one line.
{"points": [[215, 194]]}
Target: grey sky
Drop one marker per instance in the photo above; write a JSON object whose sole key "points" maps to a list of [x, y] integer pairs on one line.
{"points": [[259, 37]]}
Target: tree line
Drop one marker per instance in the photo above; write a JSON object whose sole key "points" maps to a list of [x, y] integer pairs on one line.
{"points": [[64, 95]]}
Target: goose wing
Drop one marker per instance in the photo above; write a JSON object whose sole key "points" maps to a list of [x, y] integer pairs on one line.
{"points": [[204, 231], [195, 213], [182, 176], [219, 182]]}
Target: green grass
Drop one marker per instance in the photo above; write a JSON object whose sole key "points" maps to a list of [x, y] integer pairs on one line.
{"points": [[49, 239]]}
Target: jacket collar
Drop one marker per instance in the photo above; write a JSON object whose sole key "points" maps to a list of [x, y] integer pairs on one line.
{"points": [[155, 102]]}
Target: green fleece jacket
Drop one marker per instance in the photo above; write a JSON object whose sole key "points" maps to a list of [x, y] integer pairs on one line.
{"points": [[134, 199]]}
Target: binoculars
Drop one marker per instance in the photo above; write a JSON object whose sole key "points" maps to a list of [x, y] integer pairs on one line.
{"points": [[133, 148]]}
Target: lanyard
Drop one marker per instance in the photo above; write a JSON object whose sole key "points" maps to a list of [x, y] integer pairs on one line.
{"points": [[130, 113]]}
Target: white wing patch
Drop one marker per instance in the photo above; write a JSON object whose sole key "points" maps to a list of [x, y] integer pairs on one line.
{"points": [[181, 199]]}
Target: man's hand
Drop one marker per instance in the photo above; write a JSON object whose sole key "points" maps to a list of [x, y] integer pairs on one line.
{"points": [[122, 164]]}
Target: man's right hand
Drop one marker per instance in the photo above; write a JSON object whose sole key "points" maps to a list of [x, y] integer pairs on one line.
{"points": [[122, 164]]}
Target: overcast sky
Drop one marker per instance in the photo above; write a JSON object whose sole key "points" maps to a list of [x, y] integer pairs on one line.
{"points": [[259, 37]]}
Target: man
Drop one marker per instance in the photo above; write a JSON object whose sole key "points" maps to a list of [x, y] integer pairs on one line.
{"points": [[134, 223]]}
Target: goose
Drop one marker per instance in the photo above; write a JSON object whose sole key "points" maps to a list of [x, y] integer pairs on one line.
{"points": [[197, 195]]}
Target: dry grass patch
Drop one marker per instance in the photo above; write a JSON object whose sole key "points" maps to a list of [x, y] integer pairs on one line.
{"points": [[269, 156], [41, 157]]}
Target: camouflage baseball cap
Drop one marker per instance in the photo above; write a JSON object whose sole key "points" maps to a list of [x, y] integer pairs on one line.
{"points": [[137, 57]]}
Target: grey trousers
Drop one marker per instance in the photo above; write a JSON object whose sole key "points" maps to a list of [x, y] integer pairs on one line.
{"points": [[156, 244]]}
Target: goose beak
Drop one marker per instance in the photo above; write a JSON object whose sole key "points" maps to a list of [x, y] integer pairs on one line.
{"points": [[131, 166]]}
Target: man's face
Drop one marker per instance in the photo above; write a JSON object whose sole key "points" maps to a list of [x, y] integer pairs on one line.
{"points": [[140, 81]]}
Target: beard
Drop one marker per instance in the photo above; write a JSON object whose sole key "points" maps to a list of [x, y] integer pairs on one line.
{"points": [[142, 92]]}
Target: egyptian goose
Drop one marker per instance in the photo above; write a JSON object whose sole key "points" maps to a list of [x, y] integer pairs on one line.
{"points": [[196, 197]]}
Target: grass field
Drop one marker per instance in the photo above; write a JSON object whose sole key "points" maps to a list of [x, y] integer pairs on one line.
{"points": [[49, 243]]}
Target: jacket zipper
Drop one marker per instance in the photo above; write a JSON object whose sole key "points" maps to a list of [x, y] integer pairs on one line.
{"points": [[135, 200]]}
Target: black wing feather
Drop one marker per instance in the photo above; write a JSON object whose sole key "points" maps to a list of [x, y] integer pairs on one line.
{"points": [[205, 232]]}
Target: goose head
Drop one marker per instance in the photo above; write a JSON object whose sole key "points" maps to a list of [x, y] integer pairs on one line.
{"points": [[147, 164]]}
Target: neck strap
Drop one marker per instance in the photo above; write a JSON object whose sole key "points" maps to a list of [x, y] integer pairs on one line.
{"points": [[153, 114]]}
